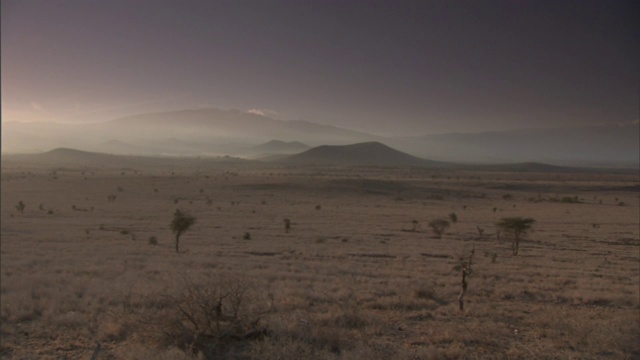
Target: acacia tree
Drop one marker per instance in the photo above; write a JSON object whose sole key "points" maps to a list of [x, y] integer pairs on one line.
{"points": [[181, 222], [516, 227], [438, 227]]}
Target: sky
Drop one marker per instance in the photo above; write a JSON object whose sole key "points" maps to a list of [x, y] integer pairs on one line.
{"points": [[385, 67]]}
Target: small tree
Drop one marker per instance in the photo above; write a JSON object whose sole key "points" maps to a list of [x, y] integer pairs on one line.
{"points": [[181, 222], [453, 217], [465, 267], [20, 207], [287, 225], [516, 227], [438, 227]]}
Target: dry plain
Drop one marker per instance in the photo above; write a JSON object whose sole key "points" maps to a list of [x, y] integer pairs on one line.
{"points": [[354, 278]]}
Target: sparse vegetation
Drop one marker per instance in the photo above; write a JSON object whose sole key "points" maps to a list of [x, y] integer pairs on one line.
{"points": [[354, 281], [20, 207], [287, 225]]}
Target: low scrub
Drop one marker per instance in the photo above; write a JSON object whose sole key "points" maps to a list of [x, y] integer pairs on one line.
{"points": [[211, 317]]}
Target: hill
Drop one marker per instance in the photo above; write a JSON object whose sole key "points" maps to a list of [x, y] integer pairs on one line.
{"points": [[361, 154], [66, 157]]}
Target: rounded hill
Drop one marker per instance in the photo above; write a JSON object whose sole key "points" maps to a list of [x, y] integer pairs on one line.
{"points": [[360, 154]]}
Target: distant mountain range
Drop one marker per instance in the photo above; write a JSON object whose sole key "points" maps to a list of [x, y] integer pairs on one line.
{"points": [[215, 132], [600, 145], [354, 155]]}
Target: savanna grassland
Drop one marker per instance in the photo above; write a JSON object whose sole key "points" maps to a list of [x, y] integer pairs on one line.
{"points": [[91, 259]]}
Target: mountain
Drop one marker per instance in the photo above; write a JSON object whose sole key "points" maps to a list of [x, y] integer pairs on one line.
{"points": [[600, 145], [361, 154], [281, 147], [119, 147], [220, 125]]}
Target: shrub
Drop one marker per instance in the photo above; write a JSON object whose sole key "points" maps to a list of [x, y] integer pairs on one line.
{"points": [[247, 236], [415, 225], [153, 240], [21, 206], [214, 318], [570, 200]]}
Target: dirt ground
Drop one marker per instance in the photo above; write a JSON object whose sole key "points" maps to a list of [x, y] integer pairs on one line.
{"points": [[359, 275]]}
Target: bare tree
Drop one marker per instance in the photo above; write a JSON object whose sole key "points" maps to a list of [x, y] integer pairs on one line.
{"points": [[465, 266]]}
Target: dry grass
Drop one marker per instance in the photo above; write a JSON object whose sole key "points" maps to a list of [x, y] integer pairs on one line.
{"points": [[348, 281]]}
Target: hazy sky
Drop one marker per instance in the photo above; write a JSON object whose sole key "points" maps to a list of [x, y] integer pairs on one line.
{"points": [[400, 67]]}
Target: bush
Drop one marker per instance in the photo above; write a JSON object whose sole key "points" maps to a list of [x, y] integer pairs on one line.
{"points": [[153, 240], [215, 317], [570, 200]]}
